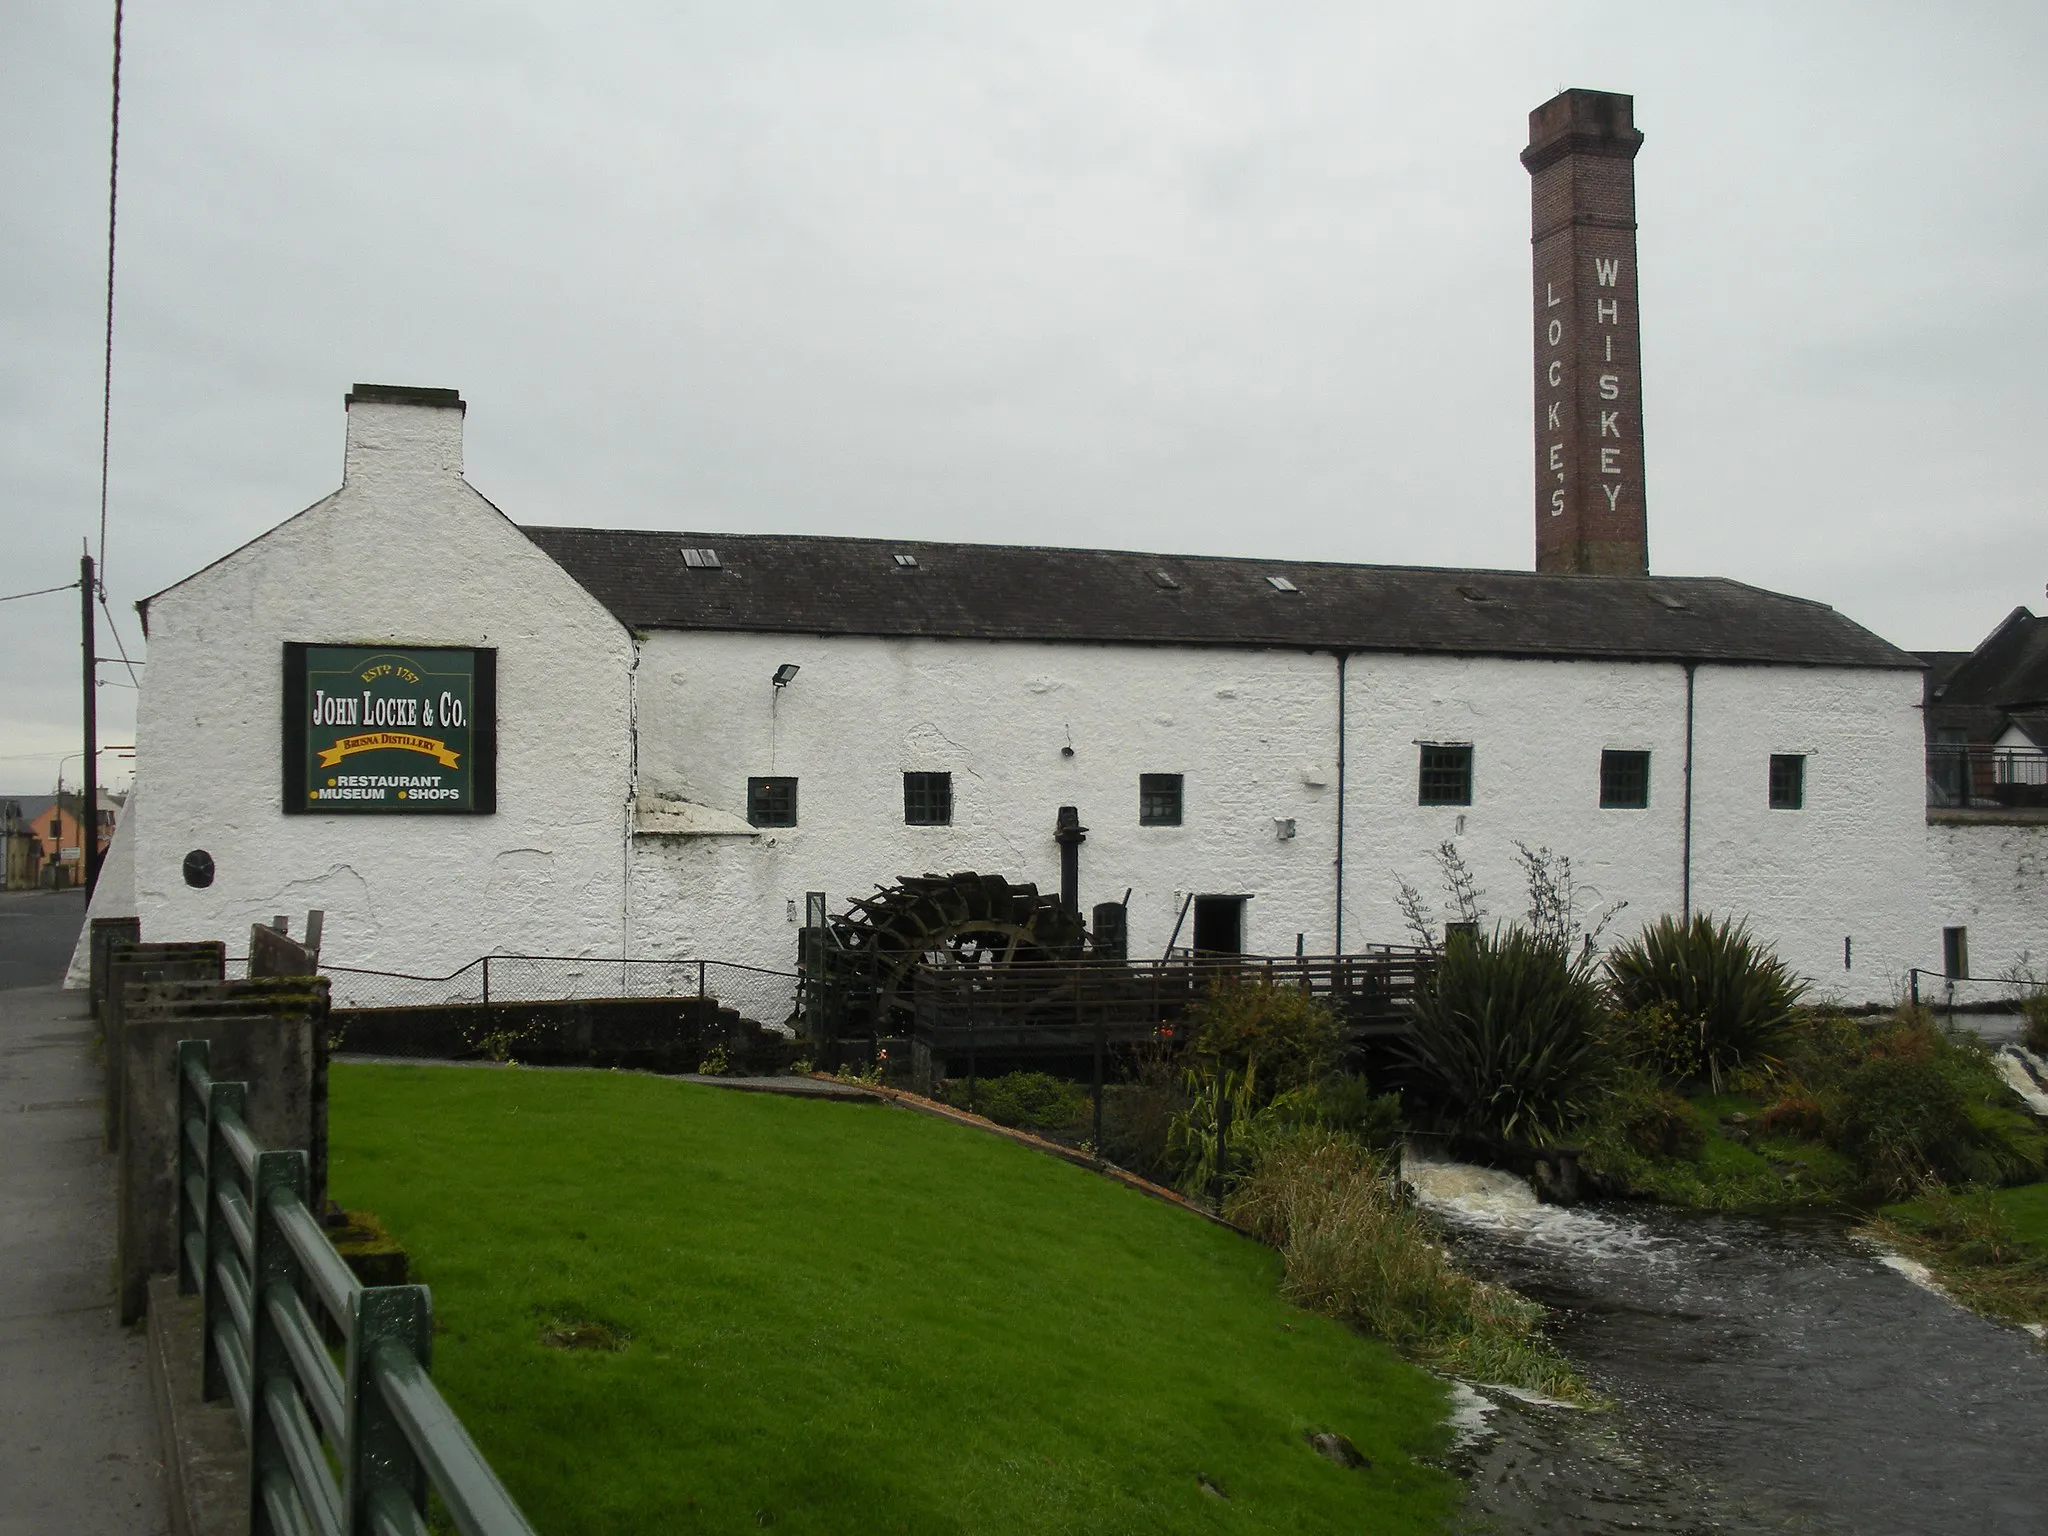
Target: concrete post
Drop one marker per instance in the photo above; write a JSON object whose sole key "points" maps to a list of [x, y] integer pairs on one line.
{"points": [[273, 1056]]}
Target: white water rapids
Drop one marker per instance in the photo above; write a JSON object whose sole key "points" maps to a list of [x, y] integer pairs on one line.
{"points": [[1766, 1374], [1502, 1205]]}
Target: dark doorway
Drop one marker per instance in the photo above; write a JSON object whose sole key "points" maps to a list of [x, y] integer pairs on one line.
{"points": [[1219, 925]]}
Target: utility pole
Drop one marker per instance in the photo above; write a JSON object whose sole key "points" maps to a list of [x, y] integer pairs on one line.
{"points": [[89, 796]]}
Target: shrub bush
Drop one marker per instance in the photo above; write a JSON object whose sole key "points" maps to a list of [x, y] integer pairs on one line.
{"points": [[1274, 1038], [1662, 1043], [1027, 1101], [2034, 1031], [1656, 1122], [1923, 1105], [1798, 1115], [1508, 1038], [1138, 1116], [1713, 982], [1345, 1101], [1817, 1052]]}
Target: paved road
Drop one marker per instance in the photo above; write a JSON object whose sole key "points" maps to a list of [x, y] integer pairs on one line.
{"points": [[37, 932], [79, 1451]]}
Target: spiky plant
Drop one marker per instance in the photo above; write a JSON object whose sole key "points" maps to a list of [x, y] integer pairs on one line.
{"points": [[1508, 1036], [1715, 982]]}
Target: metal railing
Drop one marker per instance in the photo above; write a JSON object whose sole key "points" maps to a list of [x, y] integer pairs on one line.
{"points": [[766, 996], [1966, 775], [250, 1247]]}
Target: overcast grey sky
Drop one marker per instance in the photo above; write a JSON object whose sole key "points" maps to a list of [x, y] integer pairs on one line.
{"points": [[1210, 277]]}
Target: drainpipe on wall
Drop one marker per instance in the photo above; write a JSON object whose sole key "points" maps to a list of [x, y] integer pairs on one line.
{"points": [[1685, 860], [1342, 658]]}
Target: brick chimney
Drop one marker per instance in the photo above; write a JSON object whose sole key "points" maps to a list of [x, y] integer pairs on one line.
{"points": [[1590, 516], [402, 430]]}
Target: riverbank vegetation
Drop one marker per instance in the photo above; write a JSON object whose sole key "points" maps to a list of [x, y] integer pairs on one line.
{"points": [[667, 1307], [1987, 1248], [1855, 1111], [1716, 1083], [1253, 1109], [1690, 1066]]}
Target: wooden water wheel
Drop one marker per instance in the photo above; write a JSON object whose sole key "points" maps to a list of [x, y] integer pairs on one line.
{"points": [[944, 920]]}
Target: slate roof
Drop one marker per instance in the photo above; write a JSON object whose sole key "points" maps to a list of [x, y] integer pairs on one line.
{"points": [[2003, 682], [791, 584]]}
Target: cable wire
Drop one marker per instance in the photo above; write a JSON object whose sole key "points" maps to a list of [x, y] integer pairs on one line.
{"points": [[115, 629], [107, 377], [15, 597]]}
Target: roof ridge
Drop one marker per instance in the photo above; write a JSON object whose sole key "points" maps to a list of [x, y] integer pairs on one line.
{"points": [[1305, 562]]}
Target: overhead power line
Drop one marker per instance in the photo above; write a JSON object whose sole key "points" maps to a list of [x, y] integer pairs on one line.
{"points": [[107, 376], [15, 597], [115, 629]]}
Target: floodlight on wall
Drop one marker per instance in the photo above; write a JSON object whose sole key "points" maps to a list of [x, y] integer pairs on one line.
{"points": [[784, 673]]}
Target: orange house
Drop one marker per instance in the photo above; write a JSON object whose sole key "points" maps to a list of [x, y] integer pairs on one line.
{"points": [[43, 834]]}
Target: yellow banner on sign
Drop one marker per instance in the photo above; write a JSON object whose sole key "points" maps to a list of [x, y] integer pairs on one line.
{"points": [[388, 741]]}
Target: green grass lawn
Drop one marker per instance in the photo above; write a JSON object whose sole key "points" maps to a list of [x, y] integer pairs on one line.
{"points": [[1987, 1247], [1745, 1175], [2027, 1209], [847, 1318]]}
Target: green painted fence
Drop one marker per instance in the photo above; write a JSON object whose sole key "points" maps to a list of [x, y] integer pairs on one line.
{"points": [[255, 1253]]}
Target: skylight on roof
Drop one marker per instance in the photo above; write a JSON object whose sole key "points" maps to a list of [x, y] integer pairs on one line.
{"points": [[1164, 581], [1473, 595], [700, 559], [1281, 584], [1672, 601], [908, 562]]}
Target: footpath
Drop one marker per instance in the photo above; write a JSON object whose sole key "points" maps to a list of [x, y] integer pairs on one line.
{"points": [[79, 1450]]}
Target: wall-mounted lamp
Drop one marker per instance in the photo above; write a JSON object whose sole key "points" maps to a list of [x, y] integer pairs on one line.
{"points": [[784, 673]]}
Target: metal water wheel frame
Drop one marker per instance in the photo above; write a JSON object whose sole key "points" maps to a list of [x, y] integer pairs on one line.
{"points": [[876, 946]]}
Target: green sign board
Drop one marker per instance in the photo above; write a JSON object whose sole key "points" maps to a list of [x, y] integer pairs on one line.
{"points": [[404, 730]]}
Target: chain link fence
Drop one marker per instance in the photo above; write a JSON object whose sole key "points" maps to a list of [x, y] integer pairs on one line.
{"points": [[766, 997]]}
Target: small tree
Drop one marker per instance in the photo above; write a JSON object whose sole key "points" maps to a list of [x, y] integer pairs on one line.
{"points": [[1507, 1039], [1716, 998], [1271, 1038]]}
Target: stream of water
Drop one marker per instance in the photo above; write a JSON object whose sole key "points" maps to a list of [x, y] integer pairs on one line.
{"points": [[1766, 1375]]}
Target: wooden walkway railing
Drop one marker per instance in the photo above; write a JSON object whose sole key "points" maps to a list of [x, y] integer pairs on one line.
{"points": [[249, 1245], [1071, 1004]]}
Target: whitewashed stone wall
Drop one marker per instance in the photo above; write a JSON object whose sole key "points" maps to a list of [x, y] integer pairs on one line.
{"points": [[1537, 729], [1992, 880], [1255, 734], [404, 553], [1847, 865]]}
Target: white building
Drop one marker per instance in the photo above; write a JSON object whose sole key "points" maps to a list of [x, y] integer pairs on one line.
{"points": [[1305, 735]]}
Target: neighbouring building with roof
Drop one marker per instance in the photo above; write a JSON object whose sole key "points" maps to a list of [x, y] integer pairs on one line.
{"points": [[40, 836], [1986, 720], [459, 736]]}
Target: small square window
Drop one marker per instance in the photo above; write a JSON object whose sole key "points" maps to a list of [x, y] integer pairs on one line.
{"points": [[771, 802], [928, 799], [1788, 781], [1159, 799], [1446, 775], [1624, 781]]}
